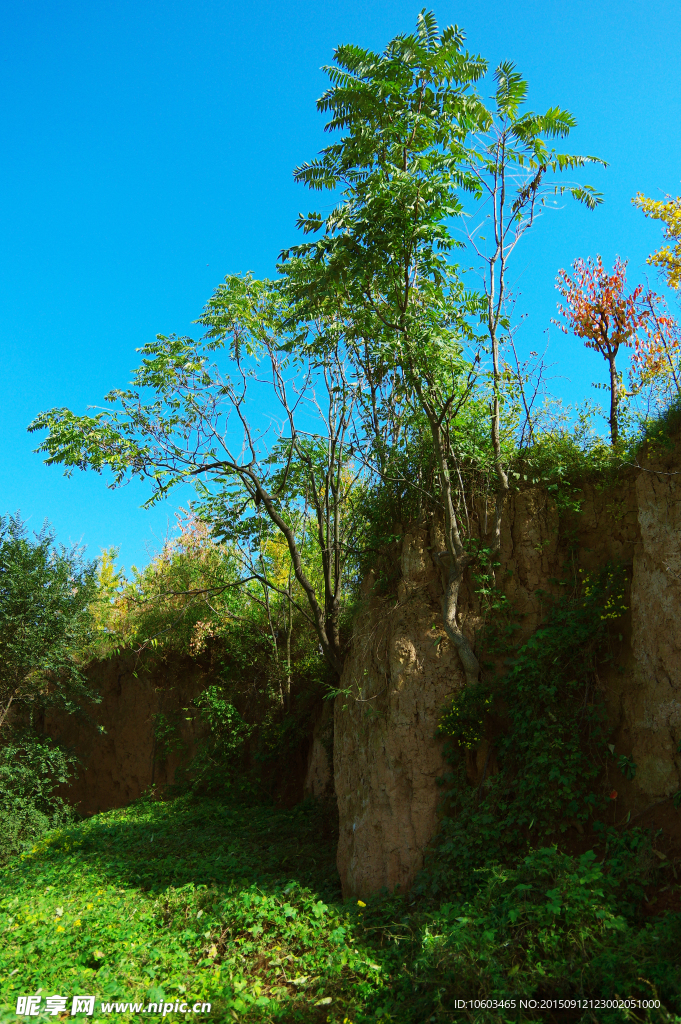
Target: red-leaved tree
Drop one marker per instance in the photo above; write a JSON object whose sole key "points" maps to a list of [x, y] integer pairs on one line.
{"points": [[598, 309]]}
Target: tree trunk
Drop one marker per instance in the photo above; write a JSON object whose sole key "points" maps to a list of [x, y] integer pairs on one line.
{"points": [[459, 558], [450, 603], [614, 400], [289, 631], [5, 711]]}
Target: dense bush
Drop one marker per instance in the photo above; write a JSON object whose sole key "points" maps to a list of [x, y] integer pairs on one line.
{"points": [[547, 728], [46, 625], [31, 769], [45, 620]]}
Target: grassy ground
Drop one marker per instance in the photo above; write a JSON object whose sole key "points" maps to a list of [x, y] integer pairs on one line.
{"points": [[205, 902]]}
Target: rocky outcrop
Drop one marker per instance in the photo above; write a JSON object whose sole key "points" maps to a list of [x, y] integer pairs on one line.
{"points": [[402, 670]]}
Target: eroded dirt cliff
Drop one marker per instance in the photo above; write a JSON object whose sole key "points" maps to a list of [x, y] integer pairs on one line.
{"points": [[650, 696], [118, 740], [402, 670], [145, 729]]}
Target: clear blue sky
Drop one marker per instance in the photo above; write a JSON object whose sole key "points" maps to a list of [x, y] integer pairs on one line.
{"points": [[148, 148]]}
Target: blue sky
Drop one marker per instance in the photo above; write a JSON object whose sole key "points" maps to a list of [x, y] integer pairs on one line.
{"points": [[148, 149]]}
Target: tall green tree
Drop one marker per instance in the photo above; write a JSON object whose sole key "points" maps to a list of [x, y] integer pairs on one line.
{"points": [[382, 266], [419, 151], [369, 328]]}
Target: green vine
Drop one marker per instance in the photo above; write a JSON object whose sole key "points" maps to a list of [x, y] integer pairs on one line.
{"points": [[546, 723]]}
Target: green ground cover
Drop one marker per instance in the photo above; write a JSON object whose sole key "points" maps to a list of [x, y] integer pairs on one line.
{"points": [[238, 906], [160, 902]]}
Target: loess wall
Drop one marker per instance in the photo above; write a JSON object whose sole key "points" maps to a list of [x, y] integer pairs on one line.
{"points": [[116, 739], [402, 670], [123, 757]]}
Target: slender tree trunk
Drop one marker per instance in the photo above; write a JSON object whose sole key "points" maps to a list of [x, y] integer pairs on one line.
{"points": [[502, 477], [456, 554], [328, 639], [614, 399], [289, 630], [273, 632], [494, 309], [502, 485], [450, 603], [5, 710]]}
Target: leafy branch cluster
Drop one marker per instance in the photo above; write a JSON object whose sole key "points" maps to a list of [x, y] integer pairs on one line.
{"points": [[46, 622]]}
